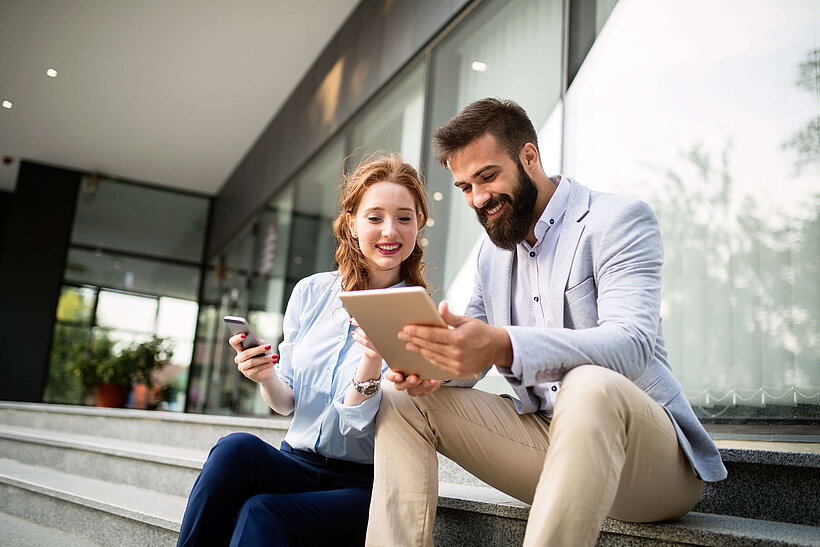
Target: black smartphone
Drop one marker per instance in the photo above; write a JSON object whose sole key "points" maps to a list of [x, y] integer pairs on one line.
{"points": [[238, 325]]}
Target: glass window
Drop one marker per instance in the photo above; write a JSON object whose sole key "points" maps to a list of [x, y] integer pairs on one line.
{"points": [[510, 50], [126, 273], [129, 217], [717, 130], [393, 123]]}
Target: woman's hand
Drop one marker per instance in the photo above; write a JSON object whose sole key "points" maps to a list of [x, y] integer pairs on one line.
{"points": [[370, 351], [254, 363]]}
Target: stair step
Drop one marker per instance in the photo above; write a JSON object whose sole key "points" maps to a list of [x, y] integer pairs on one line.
{"points": [[167, 428], [19, 532], [171, 470], [471, 515], [95, 510]]}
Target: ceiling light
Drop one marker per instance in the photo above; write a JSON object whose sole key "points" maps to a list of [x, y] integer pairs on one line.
{"points": [[438, 196], [6, 104], [478, 66], [51, 73]]}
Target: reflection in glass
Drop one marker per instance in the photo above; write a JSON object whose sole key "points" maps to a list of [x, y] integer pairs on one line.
{"points": [[116, 271], [705, 125], [520, 45], [131, 217], [393, 123]]}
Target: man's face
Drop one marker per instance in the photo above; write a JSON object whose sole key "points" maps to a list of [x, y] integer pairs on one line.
{"points": [[498, 188]]}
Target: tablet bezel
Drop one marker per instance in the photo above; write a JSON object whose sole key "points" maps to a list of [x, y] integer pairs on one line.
{"points": [[381, 313]]}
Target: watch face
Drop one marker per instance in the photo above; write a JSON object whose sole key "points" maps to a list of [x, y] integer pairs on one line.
{"points": [[367, 388]]}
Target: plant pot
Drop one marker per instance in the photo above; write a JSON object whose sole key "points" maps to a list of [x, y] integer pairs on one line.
{"points": [[112, 395]]}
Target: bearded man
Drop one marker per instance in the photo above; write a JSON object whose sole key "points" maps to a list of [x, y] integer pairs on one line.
{"points": [[567, 307]]}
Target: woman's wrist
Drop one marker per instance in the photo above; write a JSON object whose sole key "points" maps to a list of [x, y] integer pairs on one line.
{"points": [[370, 368]]}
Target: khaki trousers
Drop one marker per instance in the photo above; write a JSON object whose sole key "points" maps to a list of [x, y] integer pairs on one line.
{"points": [[609, 450]]}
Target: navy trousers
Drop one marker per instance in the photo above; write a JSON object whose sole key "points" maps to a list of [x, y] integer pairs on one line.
{"points": [[250, 493]]}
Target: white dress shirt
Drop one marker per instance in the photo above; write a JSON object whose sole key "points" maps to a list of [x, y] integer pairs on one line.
{"points": [[532, 268]]}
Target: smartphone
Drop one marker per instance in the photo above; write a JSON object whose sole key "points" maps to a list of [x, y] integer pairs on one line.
{"points": [[239, 325]]}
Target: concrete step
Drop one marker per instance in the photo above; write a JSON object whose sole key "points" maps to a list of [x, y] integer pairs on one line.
{"points": [[773, 485], [477, 516], [97, 511], [148, 426], [167, 469], [19, 532]]}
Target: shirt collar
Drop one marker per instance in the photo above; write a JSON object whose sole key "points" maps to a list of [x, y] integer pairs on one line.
{"points": [[554, 210]]}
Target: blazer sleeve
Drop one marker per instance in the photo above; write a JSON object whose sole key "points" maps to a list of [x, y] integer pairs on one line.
{"points": [[627, 254]]}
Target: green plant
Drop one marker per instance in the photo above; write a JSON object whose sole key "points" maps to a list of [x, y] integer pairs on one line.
{"points": [[86, 359], [134, 364]]}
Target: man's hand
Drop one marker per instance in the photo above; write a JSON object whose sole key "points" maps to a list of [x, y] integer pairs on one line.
{"points": [[464, 350], [412, 384]]}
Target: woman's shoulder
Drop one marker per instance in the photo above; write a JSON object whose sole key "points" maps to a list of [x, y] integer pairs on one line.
{"points": [[319, 282]]}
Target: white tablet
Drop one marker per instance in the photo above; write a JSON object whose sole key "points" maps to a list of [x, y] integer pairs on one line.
{"points": [[381, 313]]}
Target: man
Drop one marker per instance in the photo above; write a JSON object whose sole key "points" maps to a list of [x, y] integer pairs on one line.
{"points": [[567, 307]]}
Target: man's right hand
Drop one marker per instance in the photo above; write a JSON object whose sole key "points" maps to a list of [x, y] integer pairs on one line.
{"points": [[412, 384]]}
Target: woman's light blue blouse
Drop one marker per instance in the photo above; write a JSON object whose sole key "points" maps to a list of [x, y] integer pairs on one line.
{"points": [[318, 359]]}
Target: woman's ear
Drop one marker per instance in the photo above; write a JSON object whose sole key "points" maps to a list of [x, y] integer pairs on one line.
{"points": [[351, 223], [419, 221]]}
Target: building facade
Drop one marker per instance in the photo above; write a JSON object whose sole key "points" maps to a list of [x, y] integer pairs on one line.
{"points": [[709, 111]]}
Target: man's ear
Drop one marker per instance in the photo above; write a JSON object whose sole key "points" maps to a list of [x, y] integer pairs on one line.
{"points": [[529, 158]]}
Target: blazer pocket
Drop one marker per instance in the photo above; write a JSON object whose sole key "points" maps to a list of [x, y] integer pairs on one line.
{"points": [[580, 291]]}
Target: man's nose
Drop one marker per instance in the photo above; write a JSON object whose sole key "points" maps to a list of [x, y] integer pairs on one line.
{"points": [[480, 197]]}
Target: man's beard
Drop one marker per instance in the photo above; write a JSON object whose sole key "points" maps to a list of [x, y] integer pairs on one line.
{"points": [[513, 225]]}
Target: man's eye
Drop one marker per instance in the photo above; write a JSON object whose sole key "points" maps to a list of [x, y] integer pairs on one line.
{"points": [[491, 176], [464, 189]]}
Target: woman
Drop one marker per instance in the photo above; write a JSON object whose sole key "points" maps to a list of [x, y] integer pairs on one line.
{"points": [[316, 489]]}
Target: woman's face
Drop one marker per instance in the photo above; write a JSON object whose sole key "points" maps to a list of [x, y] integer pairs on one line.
{"points": [[386, 224]]}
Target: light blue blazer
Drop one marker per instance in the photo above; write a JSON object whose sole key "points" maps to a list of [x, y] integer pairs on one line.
{"points": [[605, 290]]}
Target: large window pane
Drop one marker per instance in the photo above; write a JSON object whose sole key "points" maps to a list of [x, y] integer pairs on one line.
{"points": [[393, 123], [125, 273], [129, 217], [510, 50], [717, 129]]}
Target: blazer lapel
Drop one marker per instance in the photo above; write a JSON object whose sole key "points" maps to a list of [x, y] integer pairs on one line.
{"points": [[571, 230]]}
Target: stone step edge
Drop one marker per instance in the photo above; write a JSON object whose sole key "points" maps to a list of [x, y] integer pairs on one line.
{"points": [[155, 453], [698, 527], [109, 497], [272, 422]]}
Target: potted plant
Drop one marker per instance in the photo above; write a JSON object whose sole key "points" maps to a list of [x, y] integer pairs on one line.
{"points": [[111, 376]]}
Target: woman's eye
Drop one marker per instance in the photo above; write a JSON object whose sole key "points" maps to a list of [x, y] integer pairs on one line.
{"points": [[405, 219], [374, 219]]}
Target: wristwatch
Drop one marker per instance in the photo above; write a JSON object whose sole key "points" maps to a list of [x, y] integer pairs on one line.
{"points": [[368, 387]]}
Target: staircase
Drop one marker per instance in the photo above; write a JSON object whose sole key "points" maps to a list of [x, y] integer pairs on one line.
{"points": [[90, 476]]}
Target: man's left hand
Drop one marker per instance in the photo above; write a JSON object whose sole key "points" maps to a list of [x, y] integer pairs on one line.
{"points": [[464, 350]]}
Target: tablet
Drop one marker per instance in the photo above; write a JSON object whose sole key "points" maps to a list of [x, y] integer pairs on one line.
{"points": [[383, 312]]}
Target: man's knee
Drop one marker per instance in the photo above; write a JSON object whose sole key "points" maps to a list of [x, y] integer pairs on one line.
{"points": [[592, 388]]}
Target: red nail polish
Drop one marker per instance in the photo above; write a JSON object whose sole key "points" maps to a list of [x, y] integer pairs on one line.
{"points": [[243, 335], [267, 347]]}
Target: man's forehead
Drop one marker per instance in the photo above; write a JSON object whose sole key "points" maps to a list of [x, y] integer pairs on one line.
{"points": [[473, 158]]}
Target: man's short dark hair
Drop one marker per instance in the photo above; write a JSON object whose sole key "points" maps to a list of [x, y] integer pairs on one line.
{"points": [[504, 120]]}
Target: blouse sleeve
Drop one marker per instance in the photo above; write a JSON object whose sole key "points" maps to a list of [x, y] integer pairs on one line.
{"points": [[358, 421], [290, 329]]}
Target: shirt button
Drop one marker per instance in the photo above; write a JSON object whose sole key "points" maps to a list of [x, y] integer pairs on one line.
{"points": [[532, 253], [535, 298], [552, 221], [554, 388]]}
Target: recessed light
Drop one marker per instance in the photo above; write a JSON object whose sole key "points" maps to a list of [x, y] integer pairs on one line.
{"points": [[478, 66], [438, 196], [51, 73], [6, 104]]}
